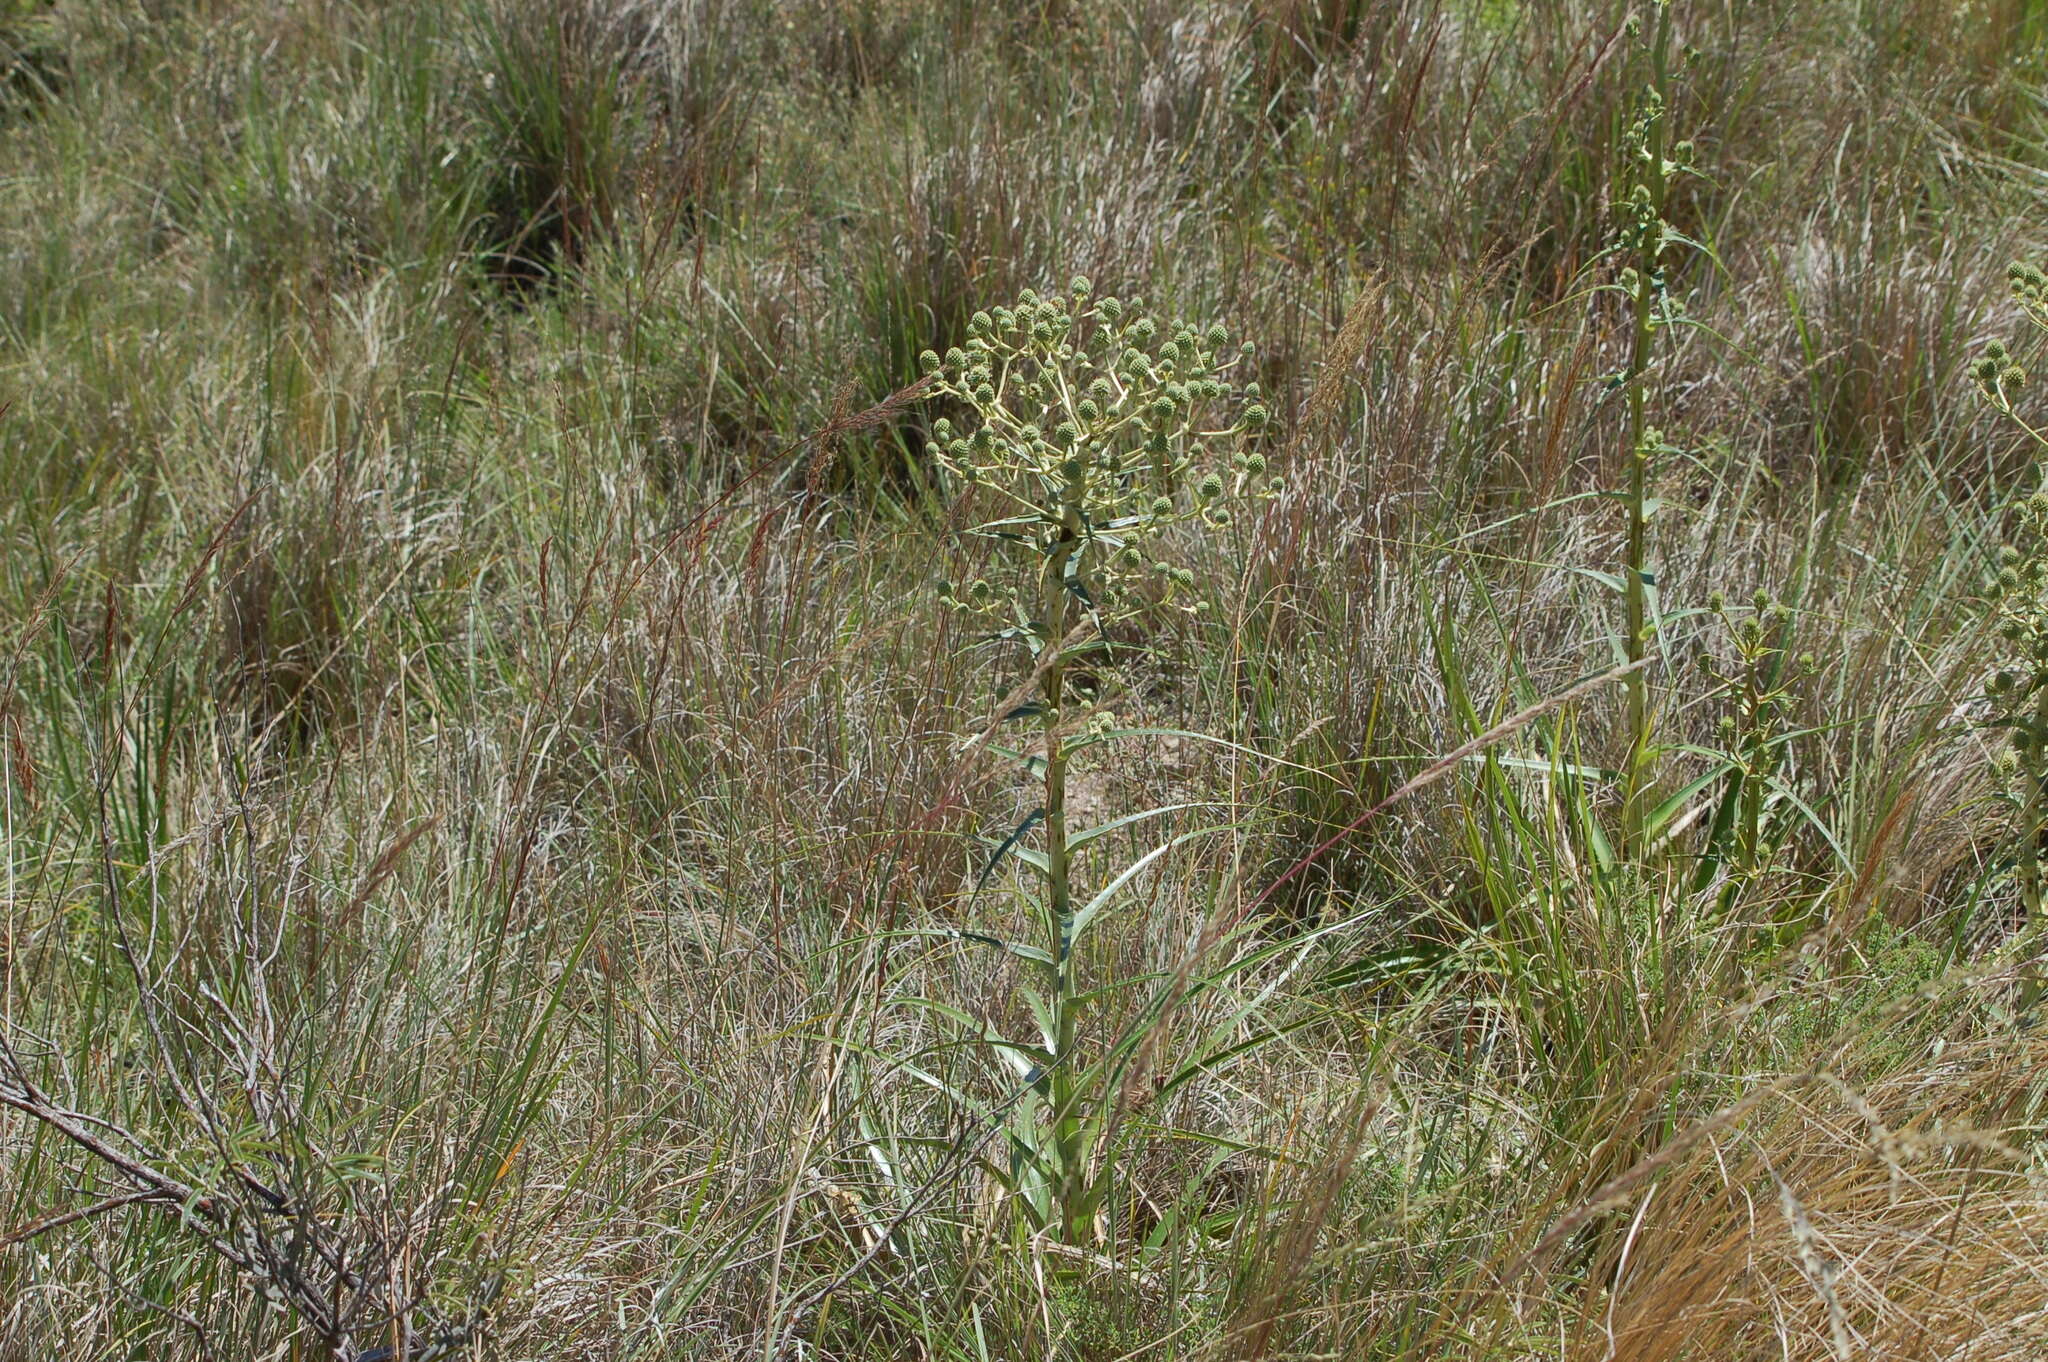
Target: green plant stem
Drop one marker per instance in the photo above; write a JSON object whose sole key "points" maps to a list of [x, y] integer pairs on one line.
{"points": [[1067, 1132], [2033, 983], [2032, 817]]}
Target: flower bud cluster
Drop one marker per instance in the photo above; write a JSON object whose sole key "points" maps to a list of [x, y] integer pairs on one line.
{"points": [[2017, 690], [1998, 375], [1759, 679], [1095, 427], [2017, 693]]}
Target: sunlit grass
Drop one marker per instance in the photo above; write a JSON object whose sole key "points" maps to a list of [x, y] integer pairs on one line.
{"points": [[493, 856]]}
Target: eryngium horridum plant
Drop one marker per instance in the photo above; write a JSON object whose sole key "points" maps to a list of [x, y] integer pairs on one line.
{"points": [[2019, 689], [1088, 430]]}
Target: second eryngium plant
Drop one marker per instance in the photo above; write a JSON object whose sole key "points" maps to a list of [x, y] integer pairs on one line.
{"points": [[1088, 430], [2019, 692]]}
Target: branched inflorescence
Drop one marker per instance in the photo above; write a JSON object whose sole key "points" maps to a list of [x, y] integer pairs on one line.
{"points": [[1098, 428]]}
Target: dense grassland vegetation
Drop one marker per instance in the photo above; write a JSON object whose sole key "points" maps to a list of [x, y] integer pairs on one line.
{"points": [[881, 679]]}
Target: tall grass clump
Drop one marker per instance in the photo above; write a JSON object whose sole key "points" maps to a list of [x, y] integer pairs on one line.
{"points": [[551, 102]]}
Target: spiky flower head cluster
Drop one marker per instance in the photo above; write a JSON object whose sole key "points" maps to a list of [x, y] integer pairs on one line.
{"points": [[1757, 678], [2017, 690], [1998, 375], [2030, 288], [1095, 427]]}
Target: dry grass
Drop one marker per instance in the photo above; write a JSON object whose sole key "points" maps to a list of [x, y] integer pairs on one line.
{"points": [[485, 785]]}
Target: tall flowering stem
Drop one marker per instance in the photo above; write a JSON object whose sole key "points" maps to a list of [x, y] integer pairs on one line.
{"points": [[1646, 236], [1088, 431]]}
